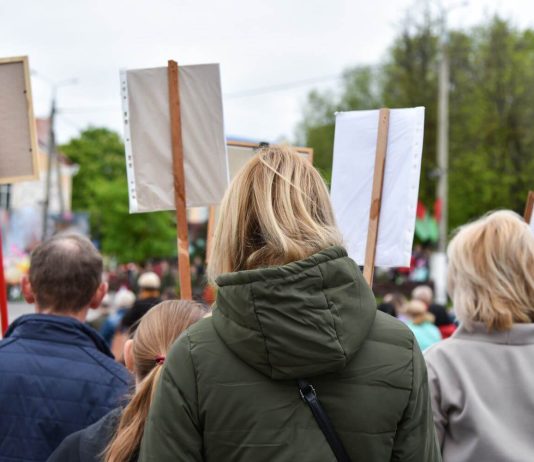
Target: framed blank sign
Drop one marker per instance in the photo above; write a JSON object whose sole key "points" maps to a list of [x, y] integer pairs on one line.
{"points": [[18, 140], [240, 152]]}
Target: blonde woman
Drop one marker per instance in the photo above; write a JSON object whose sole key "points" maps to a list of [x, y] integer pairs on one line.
{"points": [[116, 437], [482, 377], [290, 306], [421, 323]]}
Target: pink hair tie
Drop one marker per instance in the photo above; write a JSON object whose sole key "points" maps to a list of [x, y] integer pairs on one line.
{"points": [[160, 360]]}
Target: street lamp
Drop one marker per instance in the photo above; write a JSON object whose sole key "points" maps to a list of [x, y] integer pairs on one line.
{"points": [[53, 156]]}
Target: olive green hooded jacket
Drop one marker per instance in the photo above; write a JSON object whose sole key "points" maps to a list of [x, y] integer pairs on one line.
{"points": [[228, 388]]}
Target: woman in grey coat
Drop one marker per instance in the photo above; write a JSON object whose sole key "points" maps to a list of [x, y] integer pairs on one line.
{"points": [[481, 379]]}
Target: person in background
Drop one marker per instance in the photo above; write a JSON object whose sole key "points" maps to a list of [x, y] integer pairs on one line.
{"points": [[97, 318], [398, 300], [481, 378], [123, 301], [442, 319], [116, 437], [149, 296], [57, 374], [421, 323], [387, 308], [290, 305]]}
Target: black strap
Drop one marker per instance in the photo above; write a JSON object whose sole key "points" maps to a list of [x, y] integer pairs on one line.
{"points": [[307, 392]]}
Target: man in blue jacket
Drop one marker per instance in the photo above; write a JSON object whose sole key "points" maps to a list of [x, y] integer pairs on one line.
{"points": [[57, 375]]}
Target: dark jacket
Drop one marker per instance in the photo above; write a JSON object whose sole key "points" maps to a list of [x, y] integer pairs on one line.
{"points": [[57, 377], [137, 311], [89, 444], [228, 388]]}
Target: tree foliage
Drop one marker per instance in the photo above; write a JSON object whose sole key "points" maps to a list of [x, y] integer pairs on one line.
{"points": [[491, 142], [100, 188]]}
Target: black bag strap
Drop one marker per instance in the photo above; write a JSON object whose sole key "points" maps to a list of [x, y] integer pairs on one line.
{"points": [[308, 394]]}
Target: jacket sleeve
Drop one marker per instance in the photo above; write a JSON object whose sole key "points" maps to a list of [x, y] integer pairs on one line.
{"points": [[172, 431], [415, 440]]}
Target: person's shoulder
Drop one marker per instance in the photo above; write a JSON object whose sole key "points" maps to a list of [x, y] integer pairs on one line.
{"points": [[88, 444], [199, 340], [442, 349], [5, 342], [108, 365], [200, 333], [389, 330]]}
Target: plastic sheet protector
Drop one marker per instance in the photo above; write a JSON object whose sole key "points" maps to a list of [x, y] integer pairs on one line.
{"points": [[352, 182], [147, 134]]}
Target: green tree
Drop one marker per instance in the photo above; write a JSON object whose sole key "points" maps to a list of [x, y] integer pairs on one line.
{"points": [[100, 188], [491, 106]]}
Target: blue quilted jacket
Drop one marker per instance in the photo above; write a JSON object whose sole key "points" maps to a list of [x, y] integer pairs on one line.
{"points": [[57, 376]]}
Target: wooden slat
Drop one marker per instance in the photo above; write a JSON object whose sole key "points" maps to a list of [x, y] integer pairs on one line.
{"points": [[179, 181], [376, 195], [529, 206]]}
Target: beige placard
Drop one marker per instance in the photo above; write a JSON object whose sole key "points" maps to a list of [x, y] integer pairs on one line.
{"points": [[239, 153], [18, 139]]}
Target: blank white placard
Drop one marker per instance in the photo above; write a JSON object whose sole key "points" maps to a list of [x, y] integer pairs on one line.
{"points": [[147, 133], [352, 182]]}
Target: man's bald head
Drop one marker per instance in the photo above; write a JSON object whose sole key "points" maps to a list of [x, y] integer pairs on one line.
{"points": [[65, 273]]}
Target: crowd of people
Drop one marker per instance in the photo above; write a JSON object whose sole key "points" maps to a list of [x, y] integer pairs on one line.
{"points": [[293, 361], [430, 322]]}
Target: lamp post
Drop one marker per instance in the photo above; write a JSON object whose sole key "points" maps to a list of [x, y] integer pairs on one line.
{"points": [[53, 156]]}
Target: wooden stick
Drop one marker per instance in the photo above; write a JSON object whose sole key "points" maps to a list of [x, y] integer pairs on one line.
{"points": [[376, 195], [211, 231], [184, 268], [4, 318], [529, 206]]}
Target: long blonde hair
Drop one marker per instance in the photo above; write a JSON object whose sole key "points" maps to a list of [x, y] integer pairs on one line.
{"points": [[491, 271], [276, 210], [157, 331]]}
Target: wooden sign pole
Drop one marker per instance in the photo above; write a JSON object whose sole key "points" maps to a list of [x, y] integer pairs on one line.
{"points": [[4, 319], [376, 195], [179, 181], [529, 206]]}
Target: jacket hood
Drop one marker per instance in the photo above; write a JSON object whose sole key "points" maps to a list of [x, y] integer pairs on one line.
{"points": [[299, 320], [60, 329]]}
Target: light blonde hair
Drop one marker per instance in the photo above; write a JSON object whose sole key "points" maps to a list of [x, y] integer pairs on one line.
{"points": [[491, 271], [276, 210], [417, 311], [423, 293], [157, 331]]}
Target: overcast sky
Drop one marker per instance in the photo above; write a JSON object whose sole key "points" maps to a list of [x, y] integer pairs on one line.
{"points": [[259, 44]]}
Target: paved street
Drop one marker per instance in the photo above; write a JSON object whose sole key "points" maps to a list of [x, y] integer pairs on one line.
{"points": [[16, 309]]}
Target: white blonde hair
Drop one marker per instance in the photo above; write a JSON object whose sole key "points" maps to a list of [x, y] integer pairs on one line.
{"points": [[276, 210], [491, 271]]}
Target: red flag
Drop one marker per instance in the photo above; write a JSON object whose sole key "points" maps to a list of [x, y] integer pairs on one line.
{"points": [[437, 209], [421, 211]]}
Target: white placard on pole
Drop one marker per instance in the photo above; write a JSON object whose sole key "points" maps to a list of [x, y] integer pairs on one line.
{"points": [[355, 146], [149, 164]]}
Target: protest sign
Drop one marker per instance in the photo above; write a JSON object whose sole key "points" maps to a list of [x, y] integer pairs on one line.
{"points": [[375, 183], [175, 144], [18, 140]]}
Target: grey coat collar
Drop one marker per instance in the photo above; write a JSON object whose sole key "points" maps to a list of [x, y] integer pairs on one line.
{"points": [[519, 334]]}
